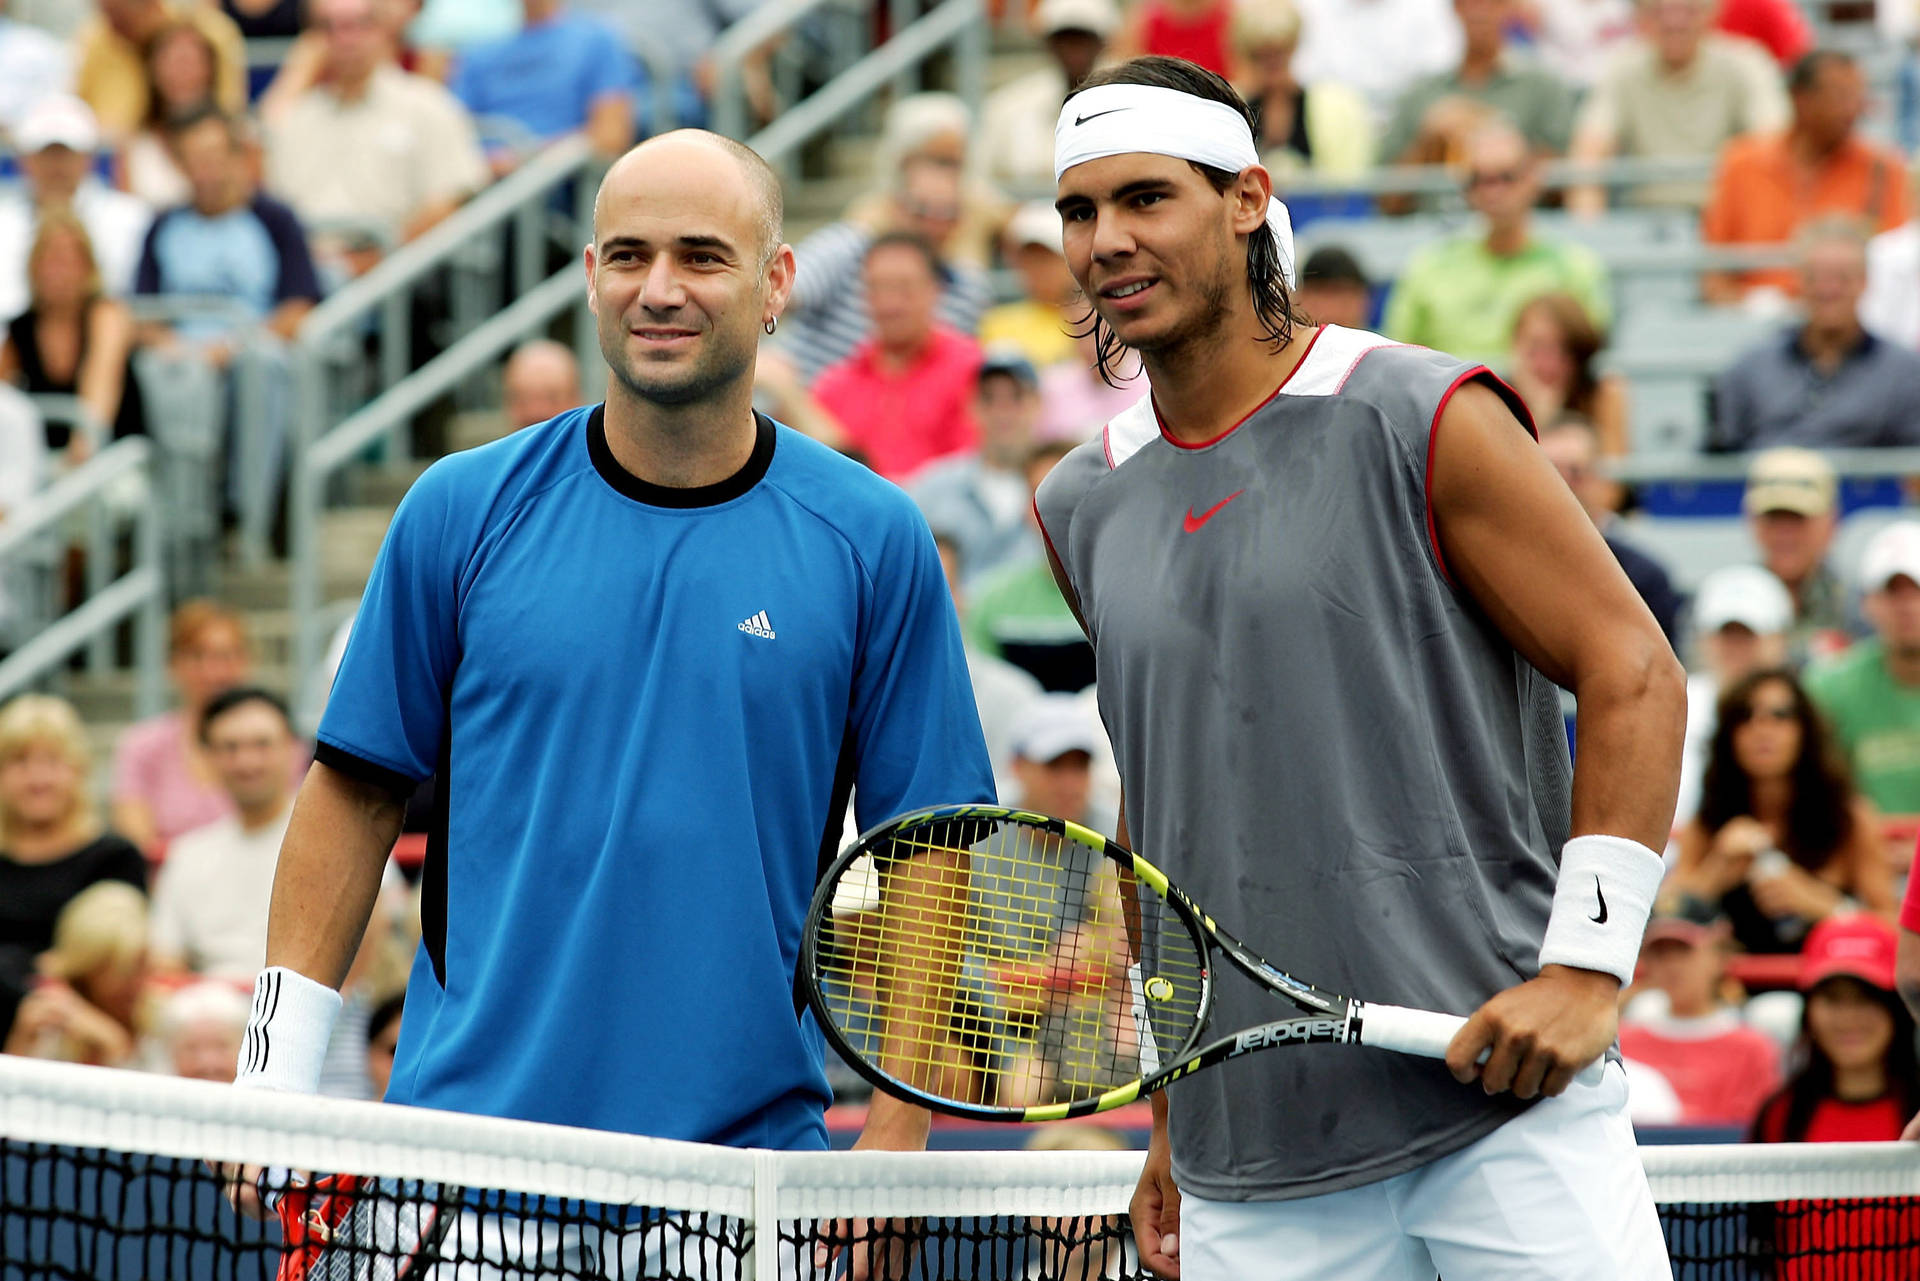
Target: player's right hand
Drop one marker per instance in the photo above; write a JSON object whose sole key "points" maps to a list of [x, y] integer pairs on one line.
{"points": [[241, 1184], [1155, 1209]]}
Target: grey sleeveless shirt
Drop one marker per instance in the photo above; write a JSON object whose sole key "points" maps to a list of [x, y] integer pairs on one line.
{"points": [[1324, 742]]}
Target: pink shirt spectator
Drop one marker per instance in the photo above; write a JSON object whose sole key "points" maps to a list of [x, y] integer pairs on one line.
{"points": [[1075, 402], [1722, 1069], [150, 764], [902, 420]]}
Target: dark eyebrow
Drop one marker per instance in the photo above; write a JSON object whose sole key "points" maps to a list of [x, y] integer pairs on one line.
{"points": [[1140, 186], [717, 243]]}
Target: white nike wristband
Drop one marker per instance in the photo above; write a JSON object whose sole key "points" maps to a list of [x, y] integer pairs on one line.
{"points": [[287, 1032], [1601, 904]]}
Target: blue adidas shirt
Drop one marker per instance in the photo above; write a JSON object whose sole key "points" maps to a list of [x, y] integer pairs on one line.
{"points": [[646, 706]]}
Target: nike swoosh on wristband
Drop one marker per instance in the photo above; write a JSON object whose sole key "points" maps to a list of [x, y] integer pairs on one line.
{"points": [[1601, 895], [1193, 522], [1080, 120]]}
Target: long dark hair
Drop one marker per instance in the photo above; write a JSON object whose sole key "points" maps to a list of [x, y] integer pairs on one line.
{"points": [[1271, 301], [1812, 1082], [1820, 812], [1580, 338]]}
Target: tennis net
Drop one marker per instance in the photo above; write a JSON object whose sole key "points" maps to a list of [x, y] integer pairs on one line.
{"points": [[103, 1175]]}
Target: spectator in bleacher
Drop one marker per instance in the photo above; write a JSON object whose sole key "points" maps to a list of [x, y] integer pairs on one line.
{"points": [[87, 1004], [1552, 365], [383, 1038], [201, 1027], [1376, 47], [1041, 321], [921, 162], [1721, 1068], [57, 142], [1573, 446], [181, 64], [1334, 289], [1857, 1080], [1462, 295], [1781, 839], [1790, 504], [264, 19], [1770, 186], [73, 340], [163, 782], [233, 243], [210, 900], [1438, 114], [1001, 691], [1825, 383], [112, 74], [33, 66], [1324, 128], [1018, 614], [1777, 26], [904, 397], [1076, 400], [1890, 307], [541, 380], [560, 73], [1192, 29], [1739, 624], [23, 455], [1680, 91], [680, 35], [1016, 122], [52, 843], [1871, 692], [1574, 38], [979, 499], [372, 156]]}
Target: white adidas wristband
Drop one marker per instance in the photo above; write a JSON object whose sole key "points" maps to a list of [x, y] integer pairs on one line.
{"points": [[287, 1032], [1601, 904]]}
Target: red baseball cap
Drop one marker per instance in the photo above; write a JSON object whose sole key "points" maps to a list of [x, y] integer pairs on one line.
{"points": [[1856, 945]]}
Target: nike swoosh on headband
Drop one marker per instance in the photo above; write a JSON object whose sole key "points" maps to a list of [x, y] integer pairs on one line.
{"points": [[1080, 120]]}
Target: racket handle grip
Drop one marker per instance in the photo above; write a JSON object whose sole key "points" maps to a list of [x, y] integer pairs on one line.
{"points": [[1427, 1033]]}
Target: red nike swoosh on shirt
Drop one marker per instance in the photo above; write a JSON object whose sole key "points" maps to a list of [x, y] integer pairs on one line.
{"points": [[1193, 522]]}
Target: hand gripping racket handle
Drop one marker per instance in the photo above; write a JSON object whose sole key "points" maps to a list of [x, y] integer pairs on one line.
{"points": [[1427, 1033]]}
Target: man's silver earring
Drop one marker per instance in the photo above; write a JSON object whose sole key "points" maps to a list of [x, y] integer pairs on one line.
{"points": [[773, 323]]}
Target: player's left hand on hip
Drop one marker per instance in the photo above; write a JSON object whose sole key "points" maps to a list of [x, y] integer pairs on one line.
{"points": [[1533, 1039]]}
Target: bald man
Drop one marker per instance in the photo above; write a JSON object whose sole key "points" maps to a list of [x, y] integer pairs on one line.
{"points": [[648, 646], [541, 381]]}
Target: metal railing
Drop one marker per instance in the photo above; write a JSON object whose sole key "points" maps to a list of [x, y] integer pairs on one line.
{"points": [[771, 21], [1848, 464], [139, 593]]}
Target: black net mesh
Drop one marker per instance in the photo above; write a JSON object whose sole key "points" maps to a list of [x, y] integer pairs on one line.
{"points": [[68, 1212]]}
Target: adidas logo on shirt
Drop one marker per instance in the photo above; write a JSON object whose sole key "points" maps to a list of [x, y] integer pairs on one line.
{"points": [[759, 625]]}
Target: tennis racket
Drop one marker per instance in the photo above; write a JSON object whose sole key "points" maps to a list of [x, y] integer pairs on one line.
{"points": [[996, 964]]}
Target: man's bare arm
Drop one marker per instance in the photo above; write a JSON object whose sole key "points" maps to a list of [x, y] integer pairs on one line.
{"points": [[338, 840]]}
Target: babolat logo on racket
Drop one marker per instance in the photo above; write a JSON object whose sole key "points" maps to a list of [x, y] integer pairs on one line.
{"points": [[1259, 1038]]}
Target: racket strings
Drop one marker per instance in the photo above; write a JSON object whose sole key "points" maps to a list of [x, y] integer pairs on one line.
{"points": [[1000, 963]]}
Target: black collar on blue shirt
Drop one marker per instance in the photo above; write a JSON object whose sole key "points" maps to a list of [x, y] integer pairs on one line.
{"points": [[1862, 348], [645, 491]]}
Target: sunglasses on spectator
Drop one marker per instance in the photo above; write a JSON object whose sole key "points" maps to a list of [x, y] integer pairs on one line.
{"points": [[1771, 714], [1493, 177]]}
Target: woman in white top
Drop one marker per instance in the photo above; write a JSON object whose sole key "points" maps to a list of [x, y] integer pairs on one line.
{"points": [[181, 68]]}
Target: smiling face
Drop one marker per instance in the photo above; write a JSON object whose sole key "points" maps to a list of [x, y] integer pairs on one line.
{"points": [[1767, 742], [39, 787], [679, 277], [1849, 1023], [1156, 248]]}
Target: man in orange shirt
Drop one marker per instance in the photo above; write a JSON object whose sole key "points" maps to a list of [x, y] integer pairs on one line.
{"points": [[1769, 185]]}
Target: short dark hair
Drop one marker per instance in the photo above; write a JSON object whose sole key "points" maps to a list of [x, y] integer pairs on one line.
{"points": [[1806, 70], [1272, 302], [909, 240], [1333, 265], [239, 696], [773, 197], [193, 117], [384, 1013]]}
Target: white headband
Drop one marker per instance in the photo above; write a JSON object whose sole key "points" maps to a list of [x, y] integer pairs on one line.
{"points": [[1114, 120]]}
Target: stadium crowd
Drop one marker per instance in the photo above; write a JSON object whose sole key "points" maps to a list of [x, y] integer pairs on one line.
{"points": [[935, 333]]}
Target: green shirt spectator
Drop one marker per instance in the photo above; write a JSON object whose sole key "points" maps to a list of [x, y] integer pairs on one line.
{"points": [[1877, 720], [1536, 101], [1018, 615], [1462, 296]]}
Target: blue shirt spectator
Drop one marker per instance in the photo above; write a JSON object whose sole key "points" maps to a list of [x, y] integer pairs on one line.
{"points": [[228, 242], [560, 73]]}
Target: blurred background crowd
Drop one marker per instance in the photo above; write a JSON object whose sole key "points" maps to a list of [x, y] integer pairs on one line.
{"points": [[262, 260]]}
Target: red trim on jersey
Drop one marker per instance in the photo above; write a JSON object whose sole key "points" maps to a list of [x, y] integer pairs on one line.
{"points": [[1181, 444], [1511, 399], [1106, 447], [1045, 537]]}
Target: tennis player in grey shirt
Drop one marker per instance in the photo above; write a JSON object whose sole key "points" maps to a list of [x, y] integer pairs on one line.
{"points": [[1331, 583]]}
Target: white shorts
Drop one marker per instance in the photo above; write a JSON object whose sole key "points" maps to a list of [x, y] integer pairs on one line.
{"points": [[1556, 1194]]}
